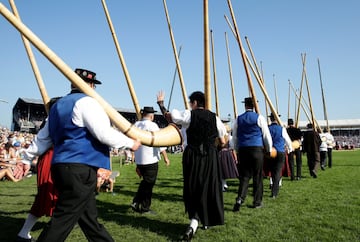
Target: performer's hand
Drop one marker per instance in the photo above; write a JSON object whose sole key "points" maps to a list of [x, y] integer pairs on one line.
{"points": [[167, 161], [138, 172], [136, 145], [160, 96]]}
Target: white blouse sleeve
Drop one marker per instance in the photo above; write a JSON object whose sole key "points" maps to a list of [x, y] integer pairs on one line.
{"points": [[88, 113]]}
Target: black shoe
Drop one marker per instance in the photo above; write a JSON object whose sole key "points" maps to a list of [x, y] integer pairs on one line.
{"points": [[150, 212], [135, 207], [189, 233], [257, 206], [21, 239], [323, 168], [236, 207], [313, 174]]}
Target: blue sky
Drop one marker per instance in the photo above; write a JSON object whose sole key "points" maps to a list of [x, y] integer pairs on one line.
{"points": [[279, 31]]}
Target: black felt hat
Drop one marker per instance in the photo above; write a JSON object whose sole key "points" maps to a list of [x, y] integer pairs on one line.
{"points": [[272, 116], [148, 110], [88, 76], [248, 102]]}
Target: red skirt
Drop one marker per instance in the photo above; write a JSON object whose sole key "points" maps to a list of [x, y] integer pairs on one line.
{"points": [[47, 195]]}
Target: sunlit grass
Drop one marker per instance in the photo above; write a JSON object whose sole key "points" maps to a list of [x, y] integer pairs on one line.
{"points": [[322, 209]]}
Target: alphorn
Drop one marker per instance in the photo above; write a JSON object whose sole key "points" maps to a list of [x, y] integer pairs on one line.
{"points": [[35, 68], [302, 102], [167, 136], [214, 74], [297, 116], [323, 98], [231, 77], [173, 81], [315, 126], [242, 52], [276, 96], [122, 61], [181, 79], [207, 75], [261, 75]]}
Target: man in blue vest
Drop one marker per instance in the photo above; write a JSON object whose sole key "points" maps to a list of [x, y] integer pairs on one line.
{"points": [[281, 140], [251, 136], [81, 134]]}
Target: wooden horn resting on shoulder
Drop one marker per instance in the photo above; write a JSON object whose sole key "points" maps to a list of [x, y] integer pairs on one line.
{"points": [[168, 136]]}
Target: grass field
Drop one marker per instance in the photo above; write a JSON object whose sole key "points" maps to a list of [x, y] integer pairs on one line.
{"points": [[322, 209]]}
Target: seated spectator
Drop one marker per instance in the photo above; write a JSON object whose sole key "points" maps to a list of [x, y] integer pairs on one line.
{"points": [[11, 172], [106, 180]]}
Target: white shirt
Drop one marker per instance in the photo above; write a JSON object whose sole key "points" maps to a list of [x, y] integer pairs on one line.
{"points": [[87, 112], [323, 145], [287, 139], [184, 118], [330, 141], [146, 155]]}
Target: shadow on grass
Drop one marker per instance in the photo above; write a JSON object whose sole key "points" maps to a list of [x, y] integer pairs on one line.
{"points": [[122, 215]]}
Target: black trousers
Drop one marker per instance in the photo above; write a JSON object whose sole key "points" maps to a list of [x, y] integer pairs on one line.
{"points": [[76, 184], [145, 190], [251, 160], [323, 155], [313, 160], [329, 153], [296, 154], [276, 166]]}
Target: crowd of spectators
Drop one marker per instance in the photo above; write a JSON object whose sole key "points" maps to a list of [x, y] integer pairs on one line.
{"points": [[12, 166], [347, 142]]}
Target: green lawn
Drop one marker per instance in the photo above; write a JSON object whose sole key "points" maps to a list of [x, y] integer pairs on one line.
{"points": [[322, 209]]}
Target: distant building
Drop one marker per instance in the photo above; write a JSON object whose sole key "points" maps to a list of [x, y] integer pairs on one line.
{"points": [[28, 115]]}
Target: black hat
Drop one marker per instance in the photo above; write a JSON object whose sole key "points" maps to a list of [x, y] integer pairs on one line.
{"points": [[272, 117], [290, 121], [248, 102], [87, 75], [148, 110]]}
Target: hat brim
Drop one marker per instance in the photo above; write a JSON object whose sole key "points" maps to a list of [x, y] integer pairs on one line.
{"points": [[97, 82], [145, 111]]}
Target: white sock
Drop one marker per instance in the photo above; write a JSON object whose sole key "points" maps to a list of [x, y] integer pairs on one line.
{"points": [[29, 223], [194, 223], [280, 182], [271, 182], [224, 184]]}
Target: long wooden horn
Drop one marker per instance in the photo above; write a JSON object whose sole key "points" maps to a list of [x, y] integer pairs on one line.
{"points": [[297, 117], [288, 111], [242, 52], [122, 61], [266, 104], [214, 74], [207, 75], [309, 97], [181, 79], [35, 68], [164, 137], [276, 96], [323, 98], [173, 81], [300, 103], [260, 74], [231, 77]]}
